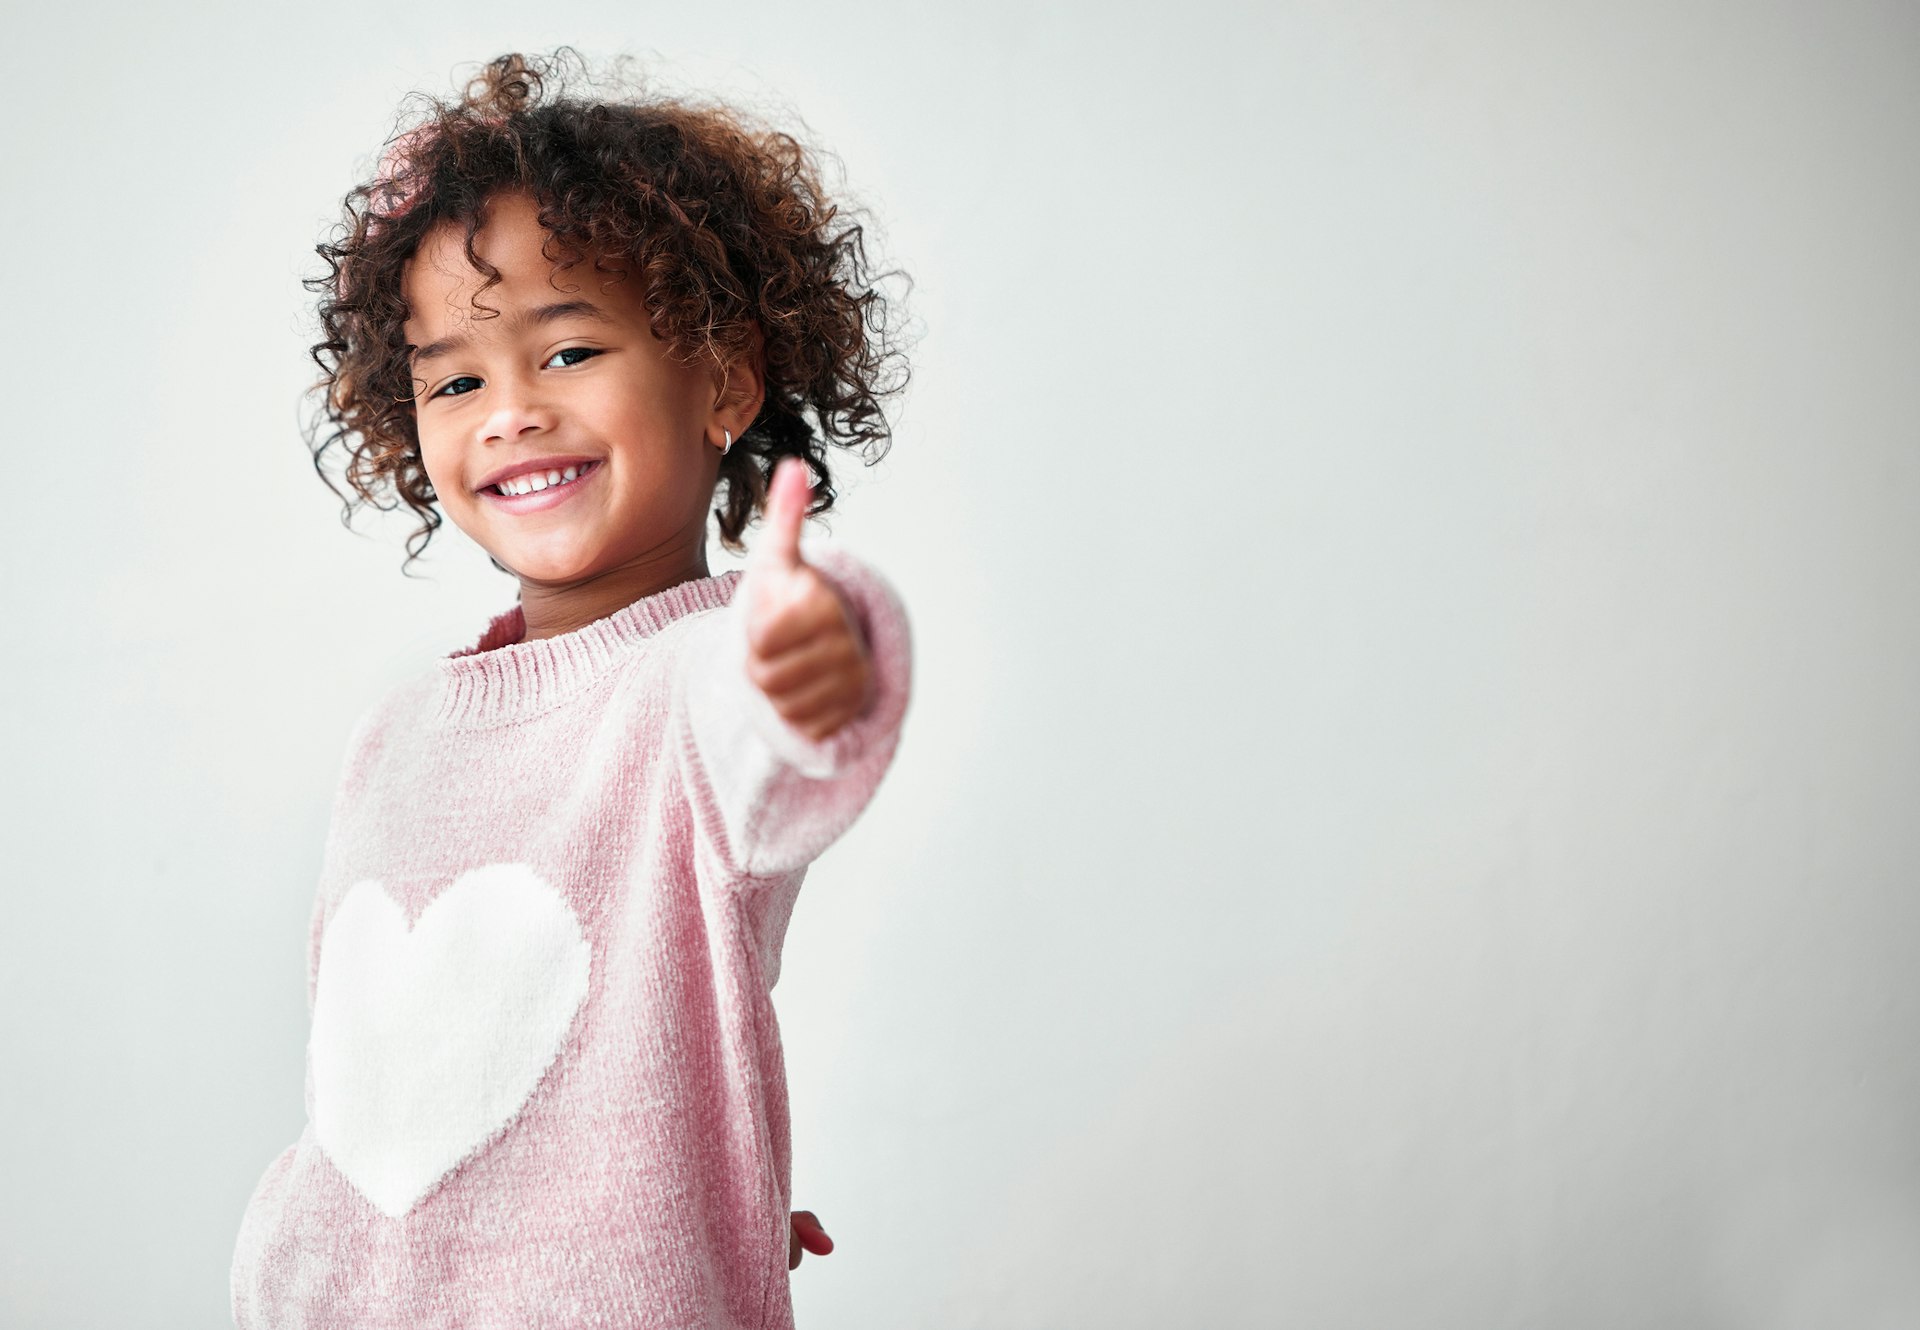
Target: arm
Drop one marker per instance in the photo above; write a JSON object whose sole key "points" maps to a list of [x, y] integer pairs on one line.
{"points": [[778, 769]]}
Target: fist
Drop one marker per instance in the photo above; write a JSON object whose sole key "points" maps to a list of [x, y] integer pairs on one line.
{"points": [[803, 650]]}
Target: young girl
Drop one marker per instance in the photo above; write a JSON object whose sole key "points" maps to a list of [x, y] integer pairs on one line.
{"points": [[544, 1080]]}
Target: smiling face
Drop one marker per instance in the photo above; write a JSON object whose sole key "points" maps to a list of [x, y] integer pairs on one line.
{"points": [[567, 377]]}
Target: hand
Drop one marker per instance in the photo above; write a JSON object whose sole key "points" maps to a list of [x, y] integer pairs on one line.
{"points": [[803, 650], [806, 1233]]}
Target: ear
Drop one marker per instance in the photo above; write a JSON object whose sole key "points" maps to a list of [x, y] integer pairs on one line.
{"points": [[740, 386]]}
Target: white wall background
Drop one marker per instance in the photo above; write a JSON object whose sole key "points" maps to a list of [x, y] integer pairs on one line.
{"points": [[1412, 521]]}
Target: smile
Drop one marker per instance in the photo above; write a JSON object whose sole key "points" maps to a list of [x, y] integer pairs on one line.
{"points": [[539, 490]]}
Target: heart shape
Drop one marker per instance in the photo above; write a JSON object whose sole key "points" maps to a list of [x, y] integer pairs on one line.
{"points": [[427, 1041]]}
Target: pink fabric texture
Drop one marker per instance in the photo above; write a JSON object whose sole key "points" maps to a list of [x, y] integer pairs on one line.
{"points": [[544, 1084]]}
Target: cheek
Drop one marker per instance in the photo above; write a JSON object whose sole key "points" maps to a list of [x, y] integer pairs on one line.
{"points": [[625, 405], [441, 466]]}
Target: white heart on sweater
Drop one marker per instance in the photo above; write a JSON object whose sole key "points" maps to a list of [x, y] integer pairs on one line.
{"points": [[427, 1042]]}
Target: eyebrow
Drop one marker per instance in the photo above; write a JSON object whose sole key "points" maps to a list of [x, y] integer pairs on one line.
{"points": [[516, 321]]}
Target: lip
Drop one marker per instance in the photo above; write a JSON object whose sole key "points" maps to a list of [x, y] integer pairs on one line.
{"points": [[558, 462], [549, 497]]}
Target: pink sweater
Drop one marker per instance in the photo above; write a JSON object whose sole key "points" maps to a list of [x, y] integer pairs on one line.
{"points": [[544, 1080]]}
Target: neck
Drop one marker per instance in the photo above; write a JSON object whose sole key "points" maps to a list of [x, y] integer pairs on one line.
{"points": [[554, 608]]}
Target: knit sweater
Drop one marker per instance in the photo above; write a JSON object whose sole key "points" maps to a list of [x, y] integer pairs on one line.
{"points": [[545, 1086]]}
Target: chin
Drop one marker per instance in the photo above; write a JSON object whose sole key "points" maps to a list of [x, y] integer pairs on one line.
{"points": [[548, 570], [545, 562]]}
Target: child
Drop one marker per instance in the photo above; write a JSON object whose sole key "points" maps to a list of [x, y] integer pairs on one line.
{"points": [[544, 1080]]}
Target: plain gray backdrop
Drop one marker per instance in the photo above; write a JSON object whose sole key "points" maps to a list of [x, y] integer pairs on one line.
{"points": [[1409, 513]]}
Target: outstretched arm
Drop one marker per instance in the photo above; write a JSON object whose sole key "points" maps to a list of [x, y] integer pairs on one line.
{"points": [[792, 696]]}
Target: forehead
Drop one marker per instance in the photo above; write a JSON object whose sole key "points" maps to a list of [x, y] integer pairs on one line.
{"points": [[440, 283]]}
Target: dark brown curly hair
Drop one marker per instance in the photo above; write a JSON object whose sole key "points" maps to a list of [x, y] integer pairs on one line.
{"points": [[724, 219]]}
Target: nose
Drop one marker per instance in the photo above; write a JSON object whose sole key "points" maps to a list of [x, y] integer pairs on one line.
{"points": [[516, 410]]}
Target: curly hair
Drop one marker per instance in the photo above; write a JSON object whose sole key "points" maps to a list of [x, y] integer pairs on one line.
{"points": [[724, 219]]}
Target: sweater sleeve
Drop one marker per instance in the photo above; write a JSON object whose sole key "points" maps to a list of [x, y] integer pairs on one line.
{"points": [[768, 798]]}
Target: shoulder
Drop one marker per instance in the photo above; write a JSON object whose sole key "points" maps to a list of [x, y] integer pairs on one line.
{"points": [[393, 710]]}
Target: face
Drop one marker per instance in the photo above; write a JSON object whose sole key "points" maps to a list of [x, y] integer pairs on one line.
{"points": [[566, 379]]}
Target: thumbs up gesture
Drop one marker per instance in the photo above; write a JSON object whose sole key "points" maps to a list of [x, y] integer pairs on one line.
{"points": [[803, 650]]}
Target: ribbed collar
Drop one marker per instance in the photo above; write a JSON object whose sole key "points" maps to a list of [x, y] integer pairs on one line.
{"points": [[502, 678]]}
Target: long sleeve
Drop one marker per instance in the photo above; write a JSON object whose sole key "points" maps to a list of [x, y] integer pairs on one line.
{"points": [[767, 797]]}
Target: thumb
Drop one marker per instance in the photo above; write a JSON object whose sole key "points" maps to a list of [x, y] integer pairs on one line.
{"points": [[787, 497]]}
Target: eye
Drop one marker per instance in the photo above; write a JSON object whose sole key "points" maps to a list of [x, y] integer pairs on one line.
{"points": [[444, 390], [583, 352]]}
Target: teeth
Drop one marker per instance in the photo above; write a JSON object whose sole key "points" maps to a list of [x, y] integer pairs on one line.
{"points": [[535, 481]]}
